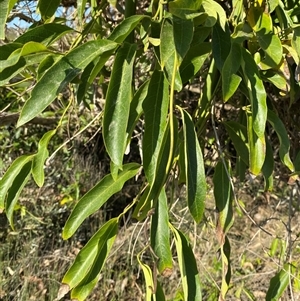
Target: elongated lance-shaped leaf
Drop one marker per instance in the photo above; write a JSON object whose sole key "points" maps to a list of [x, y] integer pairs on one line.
{"points": [[117, 104], [45, 34], [96, 197], [183, 31], [284, 141], [60, 74], [279, 283], [10, 175], [121, 32], [15, 190], [163, 169], [40, 157], [155, 108], [136, 107], [194, 60], [231, 81], [194, 168], [87, 256], [188, 267], [81, 8], [223, 197], [28, 48], [257, 147], [23, 62], [160, 235], [226, 268], [215, 12], [105, 243], [168, 54], [48, 8], [268, 167], [257, 93], [5, 7], [221, 45], [149, 281]]}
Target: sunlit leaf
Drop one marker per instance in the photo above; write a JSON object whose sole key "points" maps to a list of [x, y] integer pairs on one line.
{"points": [[96, 197], [215, 13], [5, 7], [117, 104], [149, 283], [188, 267], [257, 94], [88, 255], [40, 157], [28, 48], [121, 32], [60, 74], [279, 283], [107, 235], [15, 189], [10, 175]]}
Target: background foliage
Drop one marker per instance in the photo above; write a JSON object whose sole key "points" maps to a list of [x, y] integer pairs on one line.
{"points": [[177, 100]]}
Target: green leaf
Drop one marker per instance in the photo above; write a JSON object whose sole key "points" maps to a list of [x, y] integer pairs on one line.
{"points": [[185, 9], [215, 13], [155, 107], [81, 8], [268, 167], [194, 60], [14, 191], [271, 45], [279, 283], [117, 104], [257, 94], [284, 141], [221, 45], [121, 32], [183, 31], [60, 74], [188, 267], [223, 198], [160, 236], [238, 135], [45, 34], [96, 197], [48, 8], [106, 239], [88, 255], [136, 107], [10, 175], [168, 54], [5, 7], [28, 48], [276, 79], [194, 168], [149, 283], [40, 157], [295, 42], [231, 81]]}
